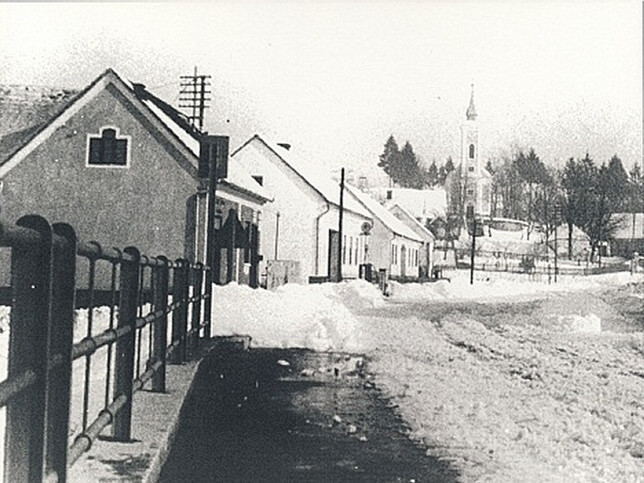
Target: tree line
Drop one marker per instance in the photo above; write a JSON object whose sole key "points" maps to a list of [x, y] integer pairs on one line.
{"points": [[405, 169], [583, 193]]}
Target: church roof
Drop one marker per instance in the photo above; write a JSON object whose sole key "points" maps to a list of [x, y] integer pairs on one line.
{"points": [[471, 110]]}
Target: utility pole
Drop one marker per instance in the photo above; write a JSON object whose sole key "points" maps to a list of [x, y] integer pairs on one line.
{"points": [[473, 250], [195, 90], [341, 214], [557, 216]]}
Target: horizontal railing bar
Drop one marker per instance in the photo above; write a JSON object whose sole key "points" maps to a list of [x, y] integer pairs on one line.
{"points": [[10, 387], [146, 376], [89, 345], [12, 235], [84, 441], [149, 318]]}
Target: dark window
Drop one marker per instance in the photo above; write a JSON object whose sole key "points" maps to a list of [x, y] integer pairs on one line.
{"points": [[259, 179], [389, 193], [471, 151], [470, 169], [108, 149]]}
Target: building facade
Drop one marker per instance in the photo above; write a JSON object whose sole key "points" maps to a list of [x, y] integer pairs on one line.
{"points": [[302, 223], [119, 165]]}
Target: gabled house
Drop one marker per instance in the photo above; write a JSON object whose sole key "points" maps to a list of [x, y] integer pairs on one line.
{"points": [[429, 240], [425, 205], [302, 223], [118, 164], [392, 245]]}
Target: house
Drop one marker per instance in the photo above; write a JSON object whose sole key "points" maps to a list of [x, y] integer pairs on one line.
{"points": [[119, 165], [429, 240], [629, 236], [425, 205], [302, 223], [392, 245]]}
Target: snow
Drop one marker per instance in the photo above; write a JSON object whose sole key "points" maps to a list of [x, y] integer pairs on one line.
{"points": [[509, 380], [548, 394], [383, 214]]}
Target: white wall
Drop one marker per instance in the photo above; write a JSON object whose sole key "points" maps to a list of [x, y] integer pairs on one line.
{"points": [[351, 231], [305, 218], [296, 202]]}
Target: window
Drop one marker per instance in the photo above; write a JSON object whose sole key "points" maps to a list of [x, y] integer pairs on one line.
{"points": [[470, 192], [350, 250], [108, 149], [259, 179], [470, 169], [471, 151], [389, 194]]}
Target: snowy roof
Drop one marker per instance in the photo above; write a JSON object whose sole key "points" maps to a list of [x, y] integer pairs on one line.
{"points": [[25, 110], [189, 136], [27, 113], [313, 175], [419, 226], [383, 214], [426, 203]]}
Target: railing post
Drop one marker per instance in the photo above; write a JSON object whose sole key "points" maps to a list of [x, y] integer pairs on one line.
{"points": [[196, 307], [125, 346], [180, 314], [160, 301], [61, 339], [31, 293]]}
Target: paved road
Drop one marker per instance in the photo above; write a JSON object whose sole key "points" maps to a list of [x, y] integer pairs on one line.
{"points": [[292, 416]]}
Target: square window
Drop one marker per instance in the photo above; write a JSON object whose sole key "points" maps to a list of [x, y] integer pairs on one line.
{"points": [[109, 149]]}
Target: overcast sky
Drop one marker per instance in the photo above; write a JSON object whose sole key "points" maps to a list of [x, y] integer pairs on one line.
{"points": [[336, 79]]}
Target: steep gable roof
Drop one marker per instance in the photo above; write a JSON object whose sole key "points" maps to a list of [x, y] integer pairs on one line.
{"points": [[320, 182], [179, 125], [387, 218], [42, 131], [49, 111], [23, 106], [430, 203], [418, 226]]}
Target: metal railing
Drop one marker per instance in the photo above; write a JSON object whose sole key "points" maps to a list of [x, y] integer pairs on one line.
{"points": [[59, 358]]}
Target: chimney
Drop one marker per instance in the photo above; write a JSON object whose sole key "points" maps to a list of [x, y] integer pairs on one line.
{"points": [[286, 146]]}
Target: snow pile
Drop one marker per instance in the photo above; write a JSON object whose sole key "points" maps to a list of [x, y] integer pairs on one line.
{"points": [[311, 316]]}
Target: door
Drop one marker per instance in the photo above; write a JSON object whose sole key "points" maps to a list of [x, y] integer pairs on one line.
{"points": [[334, 256]]}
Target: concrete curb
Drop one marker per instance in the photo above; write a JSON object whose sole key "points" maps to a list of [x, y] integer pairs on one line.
{"points": [[154, 470], [155, 419]]}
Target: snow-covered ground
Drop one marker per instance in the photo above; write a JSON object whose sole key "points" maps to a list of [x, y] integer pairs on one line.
{"points": [[550, 391], [511, 380]]}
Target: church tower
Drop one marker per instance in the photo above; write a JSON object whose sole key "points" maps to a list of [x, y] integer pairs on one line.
{"points": [[472, 171]]}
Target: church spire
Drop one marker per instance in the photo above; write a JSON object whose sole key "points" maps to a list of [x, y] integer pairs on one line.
{"points": [[471, 110]]}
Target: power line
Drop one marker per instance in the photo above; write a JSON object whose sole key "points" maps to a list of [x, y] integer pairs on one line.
{"points": [[194, 96]]}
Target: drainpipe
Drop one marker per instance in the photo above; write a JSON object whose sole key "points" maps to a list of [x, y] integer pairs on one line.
{"points": [[277, 233], [391, 244], [317, 236]]}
